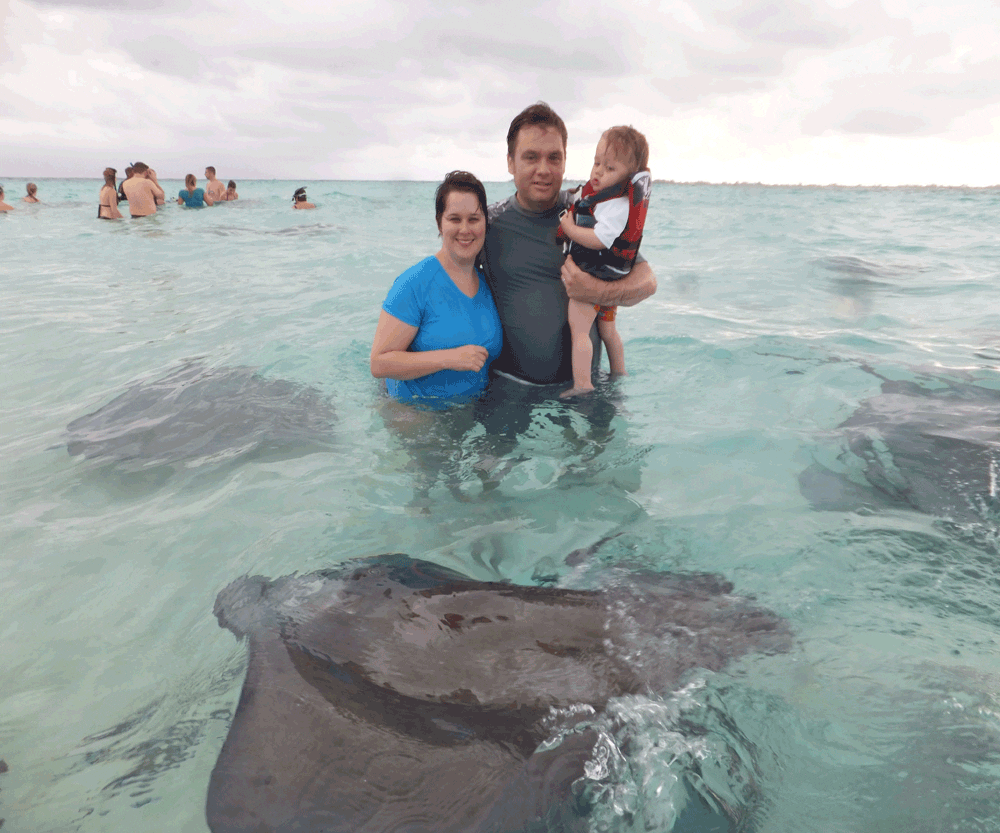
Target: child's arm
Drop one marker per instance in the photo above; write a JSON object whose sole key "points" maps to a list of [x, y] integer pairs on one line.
{"points": [[586, 237]]}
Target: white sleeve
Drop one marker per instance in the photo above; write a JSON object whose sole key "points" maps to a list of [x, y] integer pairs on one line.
{"points": [[611, 217]]}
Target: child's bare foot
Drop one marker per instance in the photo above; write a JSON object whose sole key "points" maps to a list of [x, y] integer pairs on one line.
{"points": [[575, 392]]}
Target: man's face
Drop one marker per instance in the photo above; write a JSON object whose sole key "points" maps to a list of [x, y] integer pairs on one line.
{"points": [[538, 165], [208, 174]]}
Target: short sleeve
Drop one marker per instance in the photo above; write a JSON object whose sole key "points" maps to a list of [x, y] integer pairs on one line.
{"points": [[612, 217], [405, 299]]}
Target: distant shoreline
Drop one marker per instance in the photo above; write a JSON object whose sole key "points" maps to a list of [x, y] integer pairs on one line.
{"points": [[9, 182]]}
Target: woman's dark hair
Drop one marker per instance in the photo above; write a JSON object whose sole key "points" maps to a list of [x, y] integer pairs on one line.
{"points": [[109, 176], [299, 195], [231, 184], [458, 181], [190, 181]]}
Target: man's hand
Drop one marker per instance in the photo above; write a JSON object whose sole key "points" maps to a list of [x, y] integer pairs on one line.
{"points": [[636, 286]]}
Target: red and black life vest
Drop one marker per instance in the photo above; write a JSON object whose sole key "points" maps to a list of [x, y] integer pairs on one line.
{"points": [[614, 262]]}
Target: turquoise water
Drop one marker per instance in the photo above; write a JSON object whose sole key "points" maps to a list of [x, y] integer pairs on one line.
{"points": [[776, 309]]}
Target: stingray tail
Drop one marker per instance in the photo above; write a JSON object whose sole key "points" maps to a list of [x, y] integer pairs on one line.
{"points": [[238, 604]]}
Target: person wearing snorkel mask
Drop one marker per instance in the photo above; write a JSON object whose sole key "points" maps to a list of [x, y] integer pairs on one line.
{"points": [[299, 199]]}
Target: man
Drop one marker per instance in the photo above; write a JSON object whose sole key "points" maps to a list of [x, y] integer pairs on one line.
{"points": [[525, 268], [3, 205], [299, 199], [142, 190], [121, 185], [216, 190]]}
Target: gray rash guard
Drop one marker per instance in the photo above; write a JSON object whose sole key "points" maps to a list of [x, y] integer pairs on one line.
{"points": [[522, 269]]}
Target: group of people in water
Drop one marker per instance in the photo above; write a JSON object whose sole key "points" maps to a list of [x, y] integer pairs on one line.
{"points": [[490, 307], [30, 196], [143, 192]]}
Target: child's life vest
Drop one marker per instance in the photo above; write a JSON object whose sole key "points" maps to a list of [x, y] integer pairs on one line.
{"points": [[614, 262]]}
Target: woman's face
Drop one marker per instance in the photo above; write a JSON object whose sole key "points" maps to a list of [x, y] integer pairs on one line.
{"points": [[463, 227]]}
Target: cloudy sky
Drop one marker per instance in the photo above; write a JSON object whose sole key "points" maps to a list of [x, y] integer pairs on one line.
{"points": [[778, 91]]}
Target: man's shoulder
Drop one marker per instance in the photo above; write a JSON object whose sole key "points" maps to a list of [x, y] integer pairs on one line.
{"points": [[499, 207]]}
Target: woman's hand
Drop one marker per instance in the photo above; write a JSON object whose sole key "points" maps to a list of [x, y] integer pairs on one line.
{"points": [[467, 357]]}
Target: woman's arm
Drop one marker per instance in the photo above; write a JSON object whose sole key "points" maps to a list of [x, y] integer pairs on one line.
{"points": [[636, 286], [390, 358]]}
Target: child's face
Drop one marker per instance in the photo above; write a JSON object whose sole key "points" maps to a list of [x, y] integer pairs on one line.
{"points": [[608, 169]]}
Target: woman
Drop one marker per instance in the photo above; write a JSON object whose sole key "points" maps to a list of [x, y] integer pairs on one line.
{"points": [[107, 208], [193, 197], [439, 330], [32, 190], [231, 194]]}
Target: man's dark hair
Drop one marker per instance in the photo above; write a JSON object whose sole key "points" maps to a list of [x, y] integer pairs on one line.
{"points": [[458, 181], [210, 168], [537, 115], [139, 168]]}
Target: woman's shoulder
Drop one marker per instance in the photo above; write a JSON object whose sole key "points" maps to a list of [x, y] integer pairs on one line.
{"points": [[426, 268]]}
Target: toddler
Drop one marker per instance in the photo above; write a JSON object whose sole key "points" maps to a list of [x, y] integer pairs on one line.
{"points": [[602, 233]]}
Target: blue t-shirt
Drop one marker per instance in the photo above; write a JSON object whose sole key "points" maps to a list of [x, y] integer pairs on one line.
{"points": [[193, 199], [425, 297]]}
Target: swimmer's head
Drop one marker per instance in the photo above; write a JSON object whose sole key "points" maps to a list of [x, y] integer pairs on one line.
{"points": [[32, 188], [190, 182], [109, 176], [139, 168], [231, 185], [209, 170], [299, 195]]}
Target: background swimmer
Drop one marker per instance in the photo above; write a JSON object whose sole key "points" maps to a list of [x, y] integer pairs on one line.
{"points": [[299, 199]]}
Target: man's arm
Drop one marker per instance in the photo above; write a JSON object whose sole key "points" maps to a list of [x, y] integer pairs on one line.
{"points": [[636, 286]]}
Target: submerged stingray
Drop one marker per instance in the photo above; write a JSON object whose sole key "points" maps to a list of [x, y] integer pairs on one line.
{"points": [[933, 450], [197, 411], [392, 694]]}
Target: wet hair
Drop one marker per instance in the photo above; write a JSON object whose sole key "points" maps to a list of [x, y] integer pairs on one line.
{"points": [[299, 195], [129, 170], [190, 181], [139, 167], [31, 189], [629, 146], [210, 168], [109, 176], [230, 185], [537, 115], [461, 181]]}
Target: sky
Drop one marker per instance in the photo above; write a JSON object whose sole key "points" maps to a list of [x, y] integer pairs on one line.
{"points": [[866, 92]]}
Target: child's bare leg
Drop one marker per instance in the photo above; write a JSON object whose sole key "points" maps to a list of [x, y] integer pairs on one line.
{"points": [[613, 344], [581, 318]]}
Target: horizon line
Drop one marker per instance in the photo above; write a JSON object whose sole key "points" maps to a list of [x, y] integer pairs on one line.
{"points": [[737, 183]]}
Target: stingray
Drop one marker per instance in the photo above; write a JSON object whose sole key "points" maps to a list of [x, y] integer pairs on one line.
{"points": [[197, 412], [392, 694], [934, 450]]}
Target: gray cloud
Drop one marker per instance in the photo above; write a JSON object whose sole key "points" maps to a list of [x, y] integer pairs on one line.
{"points": [[885, 123]]}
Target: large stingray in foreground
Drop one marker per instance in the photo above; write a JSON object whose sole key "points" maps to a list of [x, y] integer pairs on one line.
{"points": [[197, 412], [395, 695], [936, 450]]}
